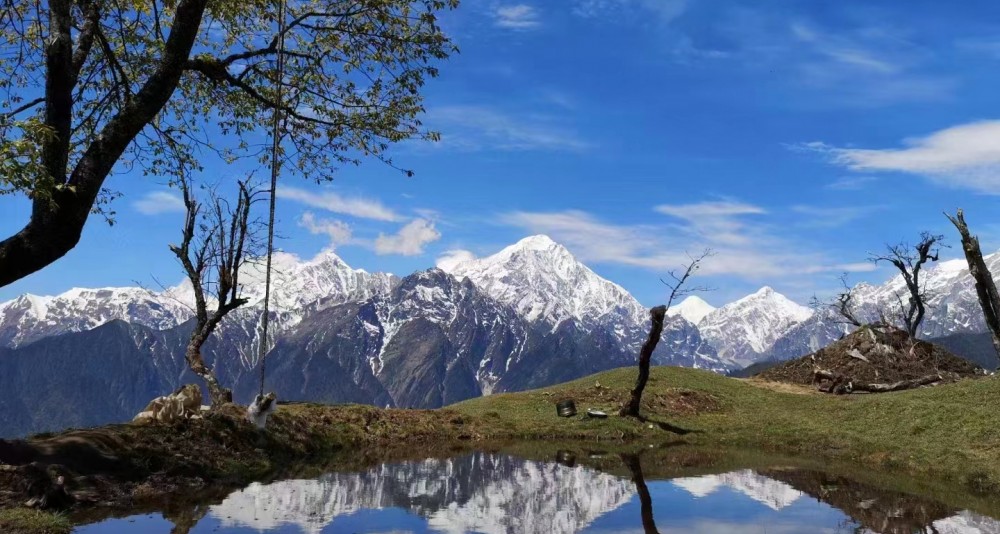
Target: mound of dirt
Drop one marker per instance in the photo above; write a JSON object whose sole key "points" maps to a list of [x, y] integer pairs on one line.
{"points": [[876, 355]]}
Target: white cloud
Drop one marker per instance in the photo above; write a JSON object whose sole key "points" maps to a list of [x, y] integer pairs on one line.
{"points": [[333, 202], [410, 240], [447, 261], [517, 17], [158, 202], [339, 232], [966, 156], [469, 127], [743, 246]]}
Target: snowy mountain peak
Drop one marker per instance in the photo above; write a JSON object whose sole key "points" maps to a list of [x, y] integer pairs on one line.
{"points": [[322, 281], [743, 330], [537, 242], [771, 493], [544, 282], [693, 308], [768, 297]]}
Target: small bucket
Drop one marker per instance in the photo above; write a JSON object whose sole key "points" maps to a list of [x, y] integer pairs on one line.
{"points": [[566, 408]]}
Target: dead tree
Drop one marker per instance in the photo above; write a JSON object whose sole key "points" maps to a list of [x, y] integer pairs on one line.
{"points": [[218, 239], [986, 288], [910, 264], [657, 314], [842, 304]]}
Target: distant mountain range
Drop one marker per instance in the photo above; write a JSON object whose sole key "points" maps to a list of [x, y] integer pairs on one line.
{"points": [[527, 316]]}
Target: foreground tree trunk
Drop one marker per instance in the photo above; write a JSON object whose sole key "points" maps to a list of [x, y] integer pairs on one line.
{"points": [[986, 288], [218, 394], [631, 408]]}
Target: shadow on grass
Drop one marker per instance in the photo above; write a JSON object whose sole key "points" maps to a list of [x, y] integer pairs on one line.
{"points": [[680, 431]]}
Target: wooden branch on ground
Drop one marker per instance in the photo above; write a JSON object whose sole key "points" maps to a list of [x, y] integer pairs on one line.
{"points": [[840, 384]]}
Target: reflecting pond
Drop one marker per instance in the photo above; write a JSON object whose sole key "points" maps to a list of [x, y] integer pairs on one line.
{"points": [[499, 493]]}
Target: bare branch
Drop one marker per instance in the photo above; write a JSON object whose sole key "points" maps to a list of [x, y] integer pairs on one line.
{"points": [[216, 244], [909, 261], [657, 314], [677, 285]]}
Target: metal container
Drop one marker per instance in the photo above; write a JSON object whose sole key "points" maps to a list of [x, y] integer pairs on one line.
{"points": [[566, 408]]}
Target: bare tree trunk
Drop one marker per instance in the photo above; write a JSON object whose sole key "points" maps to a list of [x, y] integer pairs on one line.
{"points": [[631, 409], [634, 465], [986, 288], [218, 394], [214, 247], [840, 383]]}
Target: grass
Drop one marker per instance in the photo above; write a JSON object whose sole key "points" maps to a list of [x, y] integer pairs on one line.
{"points": [[950, 431], [27, 521]]}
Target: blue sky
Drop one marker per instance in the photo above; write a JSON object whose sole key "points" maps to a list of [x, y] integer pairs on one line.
{"points": [[792, 137]]}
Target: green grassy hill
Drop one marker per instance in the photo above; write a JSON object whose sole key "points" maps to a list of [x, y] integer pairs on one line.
{"points": [[950, 430]]}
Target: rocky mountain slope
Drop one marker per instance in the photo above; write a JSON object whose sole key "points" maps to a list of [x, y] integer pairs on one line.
{"points": [[744, 330], [528, 316]]}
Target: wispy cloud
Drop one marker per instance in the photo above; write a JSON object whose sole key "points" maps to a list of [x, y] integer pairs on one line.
{"points": [[338, 232], [517, 17], [664, 10], [988, 46], [450, 258], [865, 65], [832, 217], [966, 156], [850, 183], [744, 246], [469, 127], [364, 208], [159, 202], [410, 240]]}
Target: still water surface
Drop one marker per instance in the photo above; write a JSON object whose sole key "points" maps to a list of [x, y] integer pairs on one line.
{"points": [[496, 493]]}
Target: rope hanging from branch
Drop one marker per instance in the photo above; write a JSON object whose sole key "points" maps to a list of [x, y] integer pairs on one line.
{"points": [[275, 167]]}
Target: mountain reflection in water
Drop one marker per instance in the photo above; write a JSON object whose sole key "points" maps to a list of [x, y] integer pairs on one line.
{"points": [[495, 493]]}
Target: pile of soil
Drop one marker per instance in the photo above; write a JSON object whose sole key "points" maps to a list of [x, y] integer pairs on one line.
{"points": [[677, 401], [876, 355]]}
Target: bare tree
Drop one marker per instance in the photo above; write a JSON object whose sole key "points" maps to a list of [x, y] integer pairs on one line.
{"points": [[986, 288], [842, 303], [910, 262], [218, 239], [657, 314]]}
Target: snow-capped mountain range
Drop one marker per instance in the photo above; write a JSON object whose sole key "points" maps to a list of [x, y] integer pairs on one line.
{"points": [[544, 284], [527, 316], [475, 493]]}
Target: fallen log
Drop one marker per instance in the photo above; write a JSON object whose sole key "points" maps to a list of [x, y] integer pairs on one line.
{"points": [[841, 384]]}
